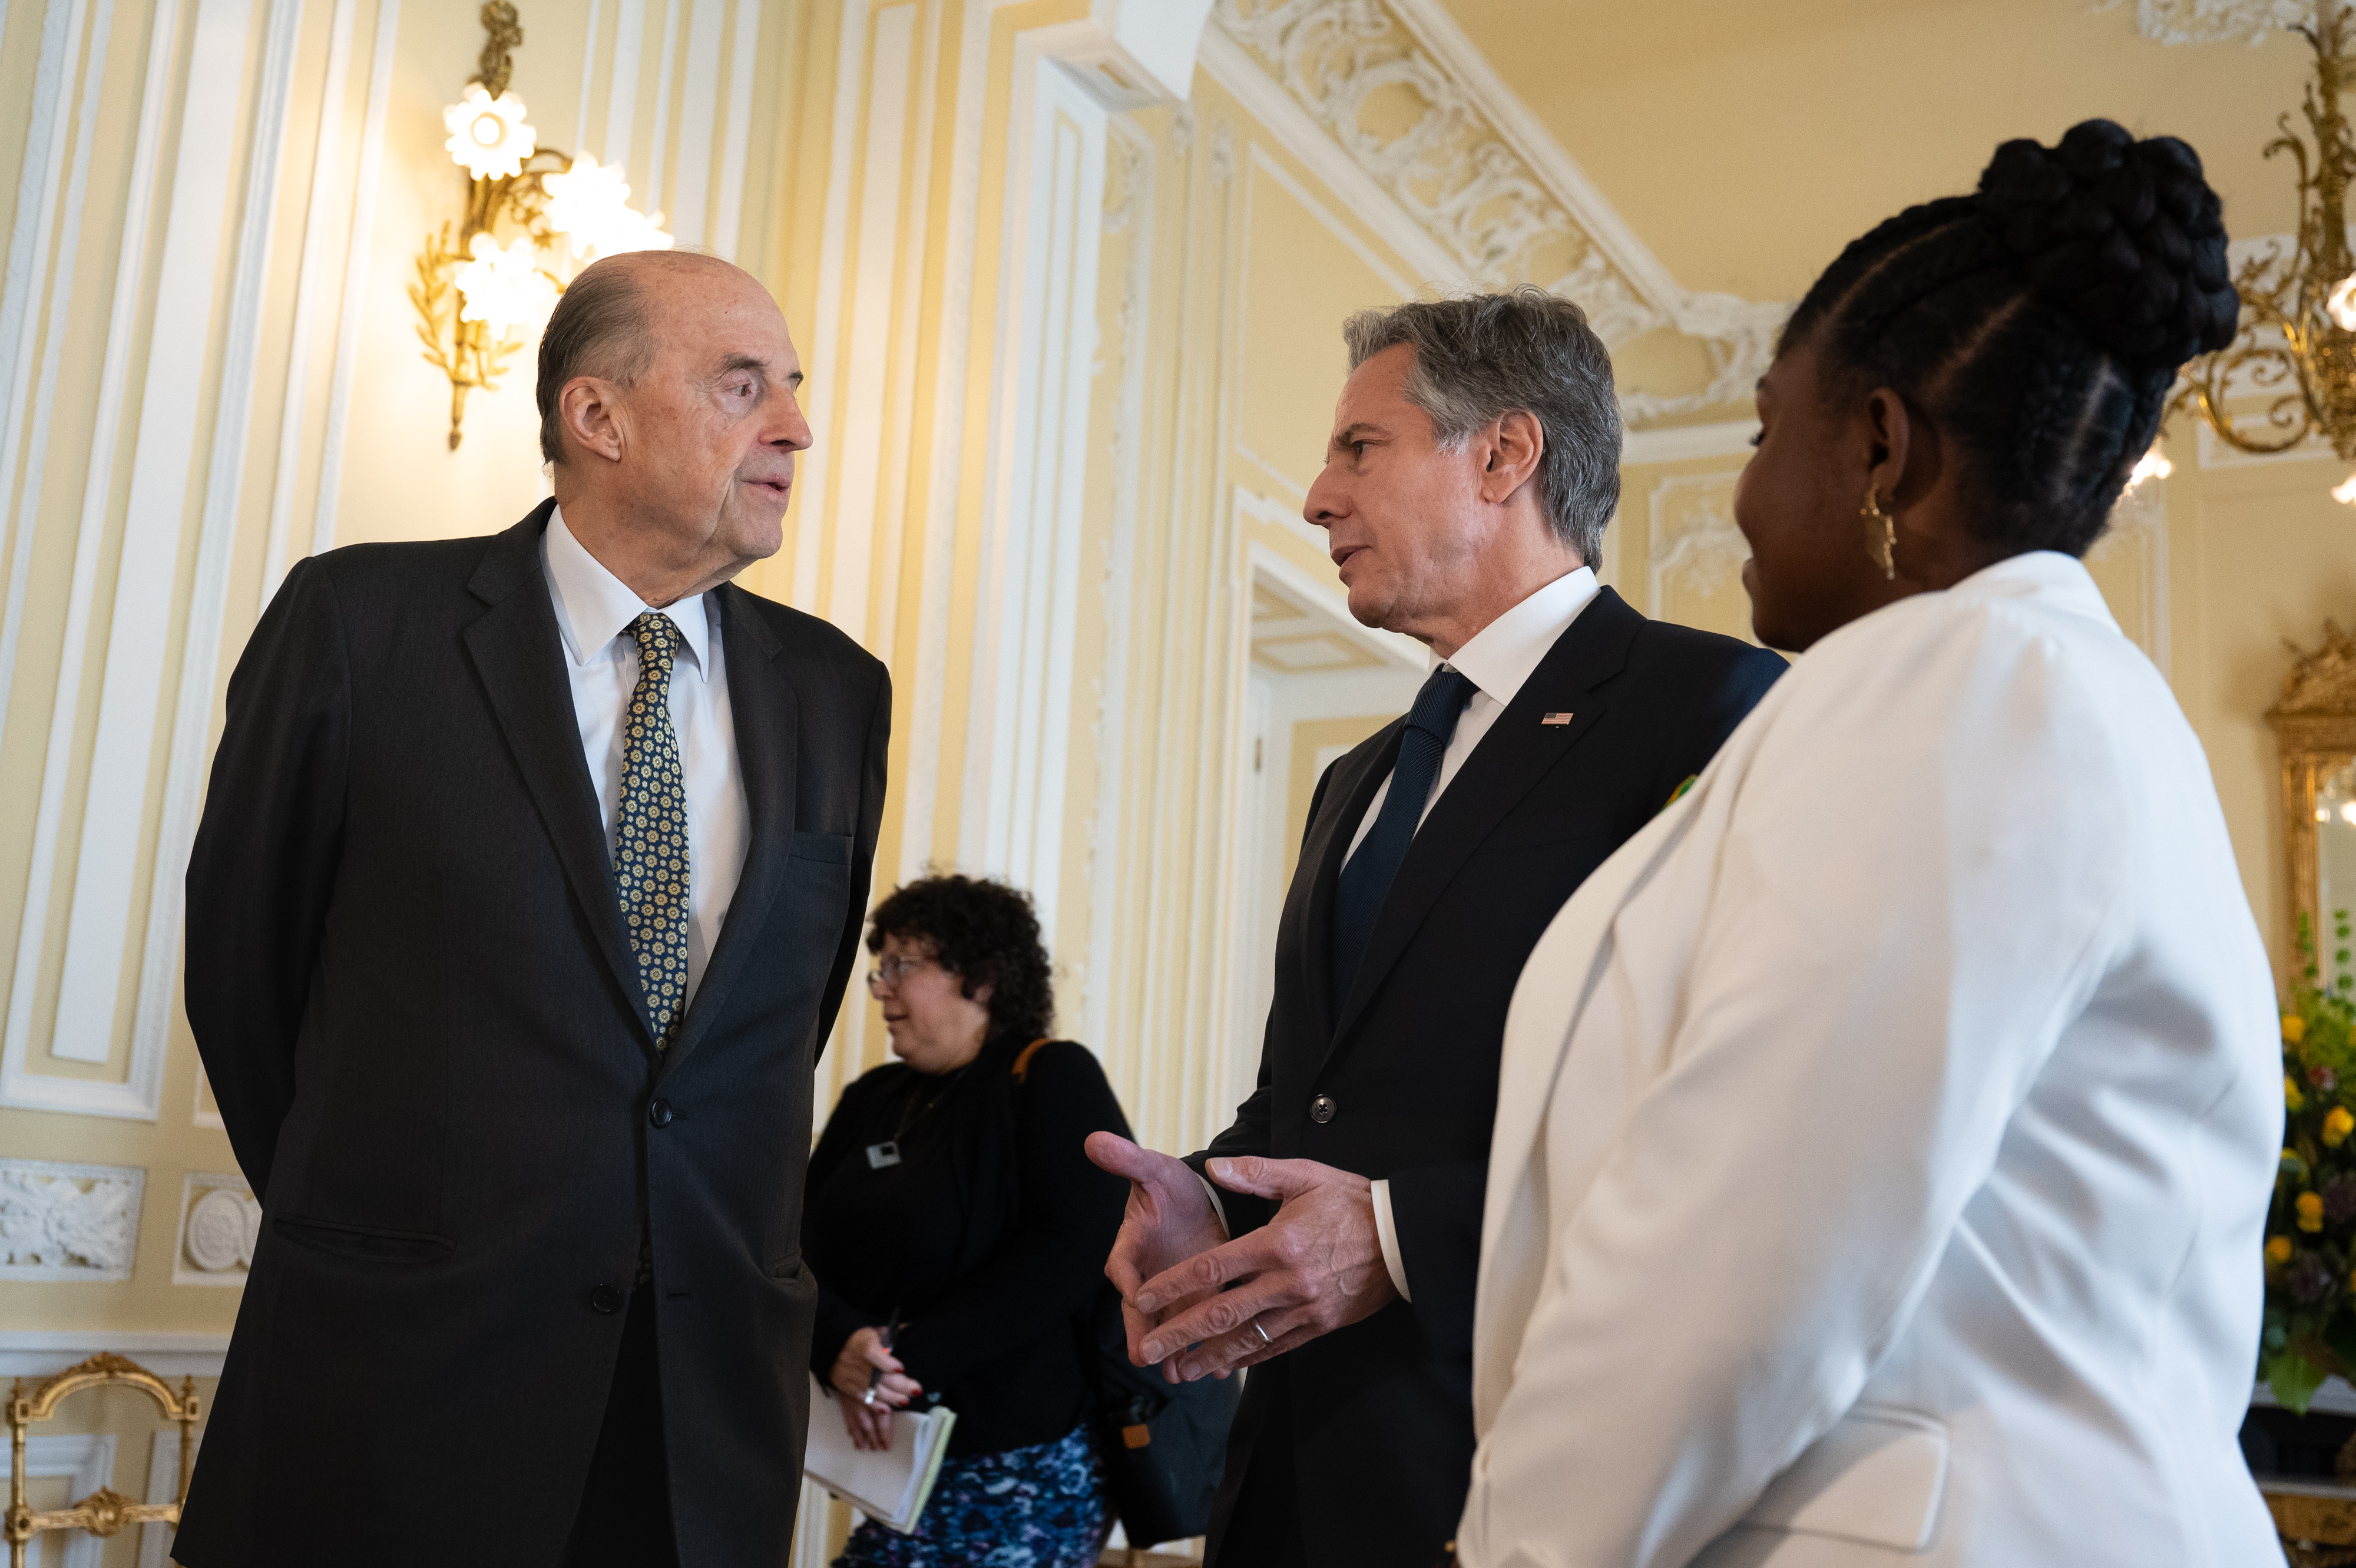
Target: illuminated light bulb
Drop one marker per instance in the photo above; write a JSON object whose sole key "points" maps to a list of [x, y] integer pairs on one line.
{"points": [[488, 137], [2348, 813], [2344, 492], [2152, 464], [2340, 303], [503, 286], [588, 204]]}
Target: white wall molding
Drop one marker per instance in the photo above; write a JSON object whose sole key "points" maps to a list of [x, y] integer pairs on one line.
{"points": [[354, 298], [1682, 442], [100, 926], [310, 281], [44, 1352], [1512, 204], [1019, 705], [27, 270], [19, 1086], [1693, 540], [1132, 171], [60, 1221]]}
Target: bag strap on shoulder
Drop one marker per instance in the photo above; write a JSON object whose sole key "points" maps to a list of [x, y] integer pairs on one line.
{"points": [[1022, 1062]]}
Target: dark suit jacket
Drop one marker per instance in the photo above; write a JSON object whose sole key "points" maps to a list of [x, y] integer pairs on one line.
{"points": [[1380, 1412], [409, 979]]}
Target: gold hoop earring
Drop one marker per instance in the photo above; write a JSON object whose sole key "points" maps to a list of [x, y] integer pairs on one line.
{"points": [[1880, 534]]}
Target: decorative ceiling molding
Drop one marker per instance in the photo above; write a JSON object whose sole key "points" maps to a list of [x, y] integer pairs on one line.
{"points": [[1419, 109], [2215, 21]]}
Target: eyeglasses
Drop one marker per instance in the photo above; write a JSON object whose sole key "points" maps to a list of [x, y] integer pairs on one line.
{"points": [[887, 975]]}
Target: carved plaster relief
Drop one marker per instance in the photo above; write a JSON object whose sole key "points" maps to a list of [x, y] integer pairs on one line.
{"points": [[1695, 553], [219, 1222], [1417, 127], [2215, 21], [67, 1222]]}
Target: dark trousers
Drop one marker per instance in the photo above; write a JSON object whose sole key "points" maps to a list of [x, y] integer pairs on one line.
{"points": [[1256, 1519], [625, 1518]]}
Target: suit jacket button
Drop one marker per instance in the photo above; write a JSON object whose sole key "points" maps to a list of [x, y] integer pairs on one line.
{"points": [[605, 1299], [660, 1112], [1321, 1109]]}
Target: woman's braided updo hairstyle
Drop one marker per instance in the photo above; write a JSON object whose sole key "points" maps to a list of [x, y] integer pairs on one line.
{"points": [[2038, 322]]}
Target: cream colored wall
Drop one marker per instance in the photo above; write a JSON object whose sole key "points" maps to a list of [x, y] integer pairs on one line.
{"points": [[2213, 571]]}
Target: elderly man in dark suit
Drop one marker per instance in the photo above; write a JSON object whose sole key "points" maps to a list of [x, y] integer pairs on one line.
{"points": [[1473, 464], [528, 884]]}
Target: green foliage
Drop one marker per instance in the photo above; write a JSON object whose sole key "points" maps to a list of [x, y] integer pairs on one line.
{"points": [[2310, 1320]]}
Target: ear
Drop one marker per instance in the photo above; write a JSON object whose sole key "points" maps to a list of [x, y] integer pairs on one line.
{"points": [[981, 993], [590, 411], [1509, 452], [1890, 444]]}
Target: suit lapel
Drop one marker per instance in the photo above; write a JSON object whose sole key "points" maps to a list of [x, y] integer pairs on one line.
{"points": [[1322, 854], [765, 710], [1512, 758], [519, 654]]}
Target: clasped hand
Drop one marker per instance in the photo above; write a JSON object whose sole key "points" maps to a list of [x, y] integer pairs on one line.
{"points": [[861, 1356], [1201, 1305]]}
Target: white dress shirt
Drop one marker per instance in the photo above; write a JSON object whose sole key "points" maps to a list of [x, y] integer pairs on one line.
{"points": [[1498, 659], [595, 610]]}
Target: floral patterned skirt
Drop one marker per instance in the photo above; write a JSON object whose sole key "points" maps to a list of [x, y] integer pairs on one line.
{"points": [[1040, 1507]]}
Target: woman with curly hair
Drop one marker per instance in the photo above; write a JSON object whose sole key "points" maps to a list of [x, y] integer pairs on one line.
{"points": [[1886, 1133], [957, 1233]]}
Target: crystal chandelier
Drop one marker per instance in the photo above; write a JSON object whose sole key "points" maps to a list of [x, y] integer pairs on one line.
{"points": [[2297, 347], [477, 296]]}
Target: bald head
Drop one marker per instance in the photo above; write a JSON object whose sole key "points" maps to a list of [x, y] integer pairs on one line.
{"points": [[668, 403], [606, 324]]}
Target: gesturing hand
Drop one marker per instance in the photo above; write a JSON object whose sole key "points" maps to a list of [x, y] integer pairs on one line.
{"points": [[861, 1356], [1169, 1220], [1316, 1267]]}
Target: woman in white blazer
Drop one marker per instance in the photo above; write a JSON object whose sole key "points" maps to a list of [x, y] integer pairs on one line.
{"points": [[1886, 1133]]}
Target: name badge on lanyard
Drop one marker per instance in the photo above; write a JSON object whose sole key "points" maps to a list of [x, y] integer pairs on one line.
{"points": [[880, 1155]]}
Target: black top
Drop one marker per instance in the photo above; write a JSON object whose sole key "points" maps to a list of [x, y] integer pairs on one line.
{"points": [[988, 1236]]}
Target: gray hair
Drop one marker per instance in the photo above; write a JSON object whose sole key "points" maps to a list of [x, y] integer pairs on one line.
{"points": [[1492, 354], [600, 328]]}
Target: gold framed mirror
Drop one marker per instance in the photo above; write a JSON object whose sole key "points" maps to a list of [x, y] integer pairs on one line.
{"points": [[2315, 731]]}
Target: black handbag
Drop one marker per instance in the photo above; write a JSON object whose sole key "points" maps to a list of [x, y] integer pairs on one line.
{"points": [[1163, 1444]]}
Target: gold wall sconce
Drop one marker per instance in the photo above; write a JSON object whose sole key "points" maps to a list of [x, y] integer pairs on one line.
{"points": [[534, 217]]}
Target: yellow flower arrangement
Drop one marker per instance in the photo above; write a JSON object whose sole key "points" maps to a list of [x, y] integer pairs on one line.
{"points": [[2310, 1332]]}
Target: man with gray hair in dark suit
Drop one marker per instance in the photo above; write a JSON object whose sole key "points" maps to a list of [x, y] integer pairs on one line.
{"points": [[530, 877], [1474, 462]]}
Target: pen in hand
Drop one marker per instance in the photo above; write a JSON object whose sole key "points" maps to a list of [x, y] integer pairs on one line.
{"points": [[875, 1375]]}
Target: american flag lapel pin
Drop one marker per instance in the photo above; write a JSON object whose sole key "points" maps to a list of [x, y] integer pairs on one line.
{"points": [[1556, 719]]}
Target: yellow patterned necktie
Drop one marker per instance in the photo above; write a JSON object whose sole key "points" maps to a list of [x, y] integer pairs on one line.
{"points": [[650, 867]]}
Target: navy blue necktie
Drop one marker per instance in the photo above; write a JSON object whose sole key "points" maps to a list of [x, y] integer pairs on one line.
{"points": [[1366, 880]]}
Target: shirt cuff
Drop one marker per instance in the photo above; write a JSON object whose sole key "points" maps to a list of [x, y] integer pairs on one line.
{"points": [[1387, 1234], [1217, 1208]]}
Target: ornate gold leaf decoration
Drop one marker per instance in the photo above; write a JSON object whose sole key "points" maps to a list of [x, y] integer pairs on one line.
{"points": [[105, 1512]]}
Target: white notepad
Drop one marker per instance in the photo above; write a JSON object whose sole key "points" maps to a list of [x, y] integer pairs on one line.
{"points": [[890, 1486]]}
